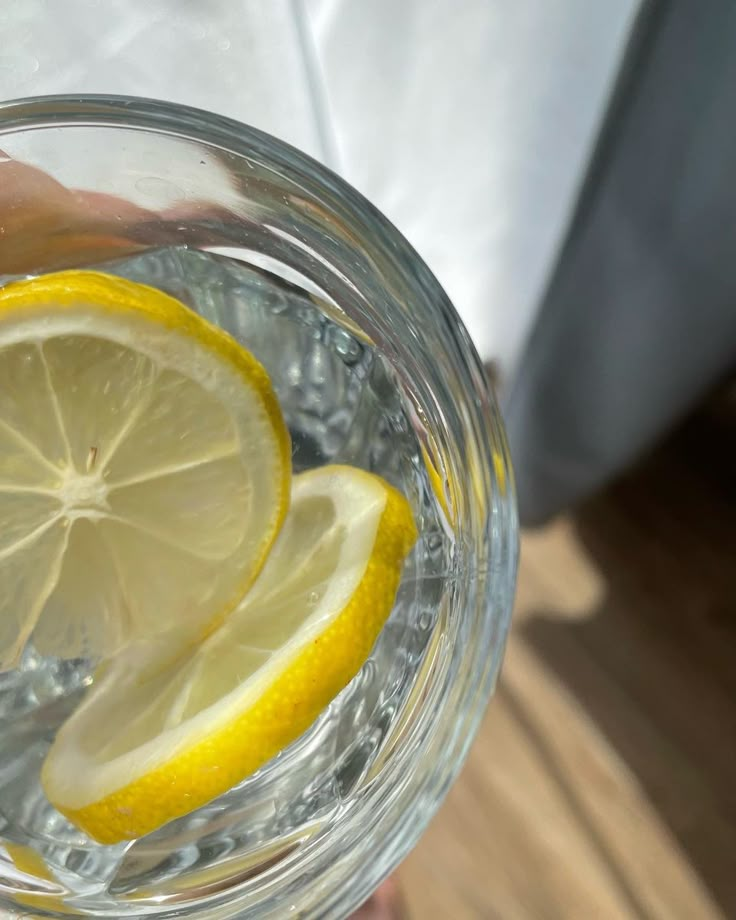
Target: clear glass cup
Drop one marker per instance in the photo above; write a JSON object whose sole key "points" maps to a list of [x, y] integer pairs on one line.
{"points": [[372, 364]]}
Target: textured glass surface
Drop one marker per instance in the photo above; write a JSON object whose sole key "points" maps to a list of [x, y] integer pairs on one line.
{"points": [[372, 368]]}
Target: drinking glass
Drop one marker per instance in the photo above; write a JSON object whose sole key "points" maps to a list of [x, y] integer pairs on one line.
{"points": [[372, 367]]}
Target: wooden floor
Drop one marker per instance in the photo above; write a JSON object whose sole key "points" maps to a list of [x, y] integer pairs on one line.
{"points": [[603, 781]]}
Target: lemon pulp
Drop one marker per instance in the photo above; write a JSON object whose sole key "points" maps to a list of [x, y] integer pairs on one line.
{"points": [[144, 466], [168, 728]]}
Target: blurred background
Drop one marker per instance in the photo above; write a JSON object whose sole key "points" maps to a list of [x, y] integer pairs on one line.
{"points": [[565, 168]]}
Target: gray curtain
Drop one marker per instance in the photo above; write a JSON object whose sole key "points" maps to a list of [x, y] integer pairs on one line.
{"points": [[639, 320]]}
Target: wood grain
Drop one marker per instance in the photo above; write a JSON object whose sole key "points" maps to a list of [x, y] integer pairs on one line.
{"points": [[602, 783]]}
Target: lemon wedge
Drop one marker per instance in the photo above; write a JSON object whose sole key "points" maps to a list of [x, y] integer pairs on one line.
{"points": [[144, 466], [166, 730]]}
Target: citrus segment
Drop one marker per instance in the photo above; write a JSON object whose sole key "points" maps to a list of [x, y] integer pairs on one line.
{"points": [[144, 466], [168, 728]]}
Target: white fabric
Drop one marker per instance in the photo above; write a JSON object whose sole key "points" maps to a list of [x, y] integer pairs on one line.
{"points": [[468, 122]]}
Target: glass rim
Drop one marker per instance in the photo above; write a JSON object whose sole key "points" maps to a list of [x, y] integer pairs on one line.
{"points": [[393, 822]]}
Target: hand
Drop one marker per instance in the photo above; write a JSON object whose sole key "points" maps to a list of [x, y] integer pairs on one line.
{"points": [[385, 904], [45, 226]]}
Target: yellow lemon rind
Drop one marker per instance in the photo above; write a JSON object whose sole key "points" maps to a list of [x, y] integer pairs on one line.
{"points": [[113, 296], [301, 690]]}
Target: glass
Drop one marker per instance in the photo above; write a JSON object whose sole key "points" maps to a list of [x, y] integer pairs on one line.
{"points": [[373, 367]]}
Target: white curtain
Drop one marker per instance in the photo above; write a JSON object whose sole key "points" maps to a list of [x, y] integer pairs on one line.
{"points": [[468, 122]]}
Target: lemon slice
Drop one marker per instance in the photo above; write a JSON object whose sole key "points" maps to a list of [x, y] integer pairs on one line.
{"points": [[164, 732], [144, 466]]}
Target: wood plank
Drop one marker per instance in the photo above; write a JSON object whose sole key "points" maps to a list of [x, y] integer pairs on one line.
{"points": [[602, 783]]}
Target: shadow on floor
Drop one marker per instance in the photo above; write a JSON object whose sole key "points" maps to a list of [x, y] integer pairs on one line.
{"points": [[655, 665]]}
